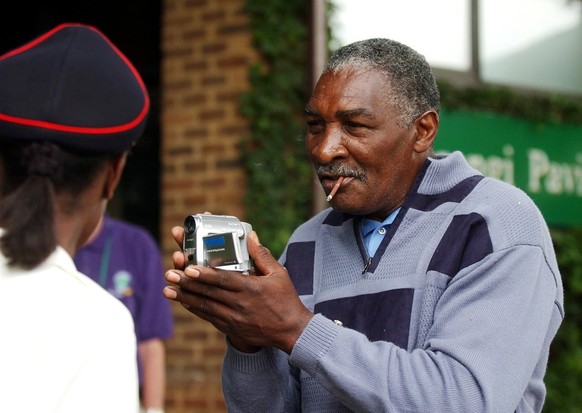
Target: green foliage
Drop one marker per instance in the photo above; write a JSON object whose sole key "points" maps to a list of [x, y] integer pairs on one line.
{"points": [[278, 198], [564, 376], [533, 107]]}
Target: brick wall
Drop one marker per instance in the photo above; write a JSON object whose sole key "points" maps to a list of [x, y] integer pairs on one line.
{"points": [[206, 53]]}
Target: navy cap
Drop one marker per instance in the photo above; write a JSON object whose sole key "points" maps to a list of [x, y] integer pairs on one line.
{"points": [[74, 87]]}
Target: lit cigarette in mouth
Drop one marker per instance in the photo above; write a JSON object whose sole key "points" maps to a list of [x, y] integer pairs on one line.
{"points": [[335, 188]]}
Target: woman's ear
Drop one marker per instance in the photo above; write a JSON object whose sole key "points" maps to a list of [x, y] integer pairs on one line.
{"points": [[114, 172], [426, 129]]}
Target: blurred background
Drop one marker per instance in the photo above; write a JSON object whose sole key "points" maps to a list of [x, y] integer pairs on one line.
{"points": [[229, 80]]}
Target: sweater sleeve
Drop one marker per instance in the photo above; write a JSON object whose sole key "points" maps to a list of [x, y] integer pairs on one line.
{"points": [[498, 314], [259, 382]]}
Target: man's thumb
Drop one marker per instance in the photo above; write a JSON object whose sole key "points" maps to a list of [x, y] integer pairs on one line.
{"points": [[264, 262]]}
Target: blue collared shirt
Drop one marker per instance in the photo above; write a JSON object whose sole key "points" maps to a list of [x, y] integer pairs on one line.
{"points": [[373, 231]]}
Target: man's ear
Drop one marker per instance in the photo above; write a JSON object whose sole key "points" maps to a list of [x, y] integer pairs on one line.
{"points": [[114, 172], [426, 127]]}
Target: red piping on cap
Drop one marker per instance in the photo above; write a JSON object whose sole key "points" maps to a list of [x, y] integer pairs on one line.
{"points": [[80, 129]]}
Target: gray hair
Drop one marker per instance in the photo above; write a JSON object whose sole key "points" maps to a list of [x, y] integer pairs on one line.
{"points": [[410, 80]]}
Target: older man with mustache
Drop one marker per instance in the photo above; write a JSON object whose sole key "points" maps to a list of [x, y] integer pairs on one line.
{"points": [[425, 288]]}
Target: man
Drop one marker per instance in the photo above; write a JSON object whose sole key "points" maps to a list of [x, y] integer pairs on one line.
{"points": [[426, 288]]}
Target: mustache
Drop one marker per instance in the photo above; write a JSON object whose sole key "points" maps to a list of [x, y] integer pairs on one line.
{"points": [[336, 169]]}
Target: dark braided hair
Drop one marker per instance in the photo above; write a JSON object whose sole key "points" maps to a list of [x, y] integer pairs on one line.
{"points": [[33, 174]]}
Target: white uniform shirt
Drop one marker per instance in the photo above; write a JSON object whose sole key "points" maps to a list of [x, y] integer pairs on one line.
{"points": [[66, 344]]}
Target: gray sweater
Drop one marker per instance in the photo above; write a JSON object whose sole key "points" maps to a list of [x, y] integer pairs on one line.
{"points": [[455, 312]]}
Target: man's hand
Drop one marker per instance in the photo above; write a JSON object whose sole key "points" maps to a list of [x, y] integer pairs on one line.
{"points": [[178, 257], [253, 310]]}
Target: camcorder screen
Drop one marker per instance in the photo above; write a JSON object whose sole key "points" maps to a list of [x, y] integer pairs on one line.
{"points": [[214, 241], [220, 249]]}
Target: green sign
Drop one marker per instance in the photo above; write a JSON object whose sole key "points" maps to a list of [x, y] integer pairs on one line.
{"points": [[544, 160]]}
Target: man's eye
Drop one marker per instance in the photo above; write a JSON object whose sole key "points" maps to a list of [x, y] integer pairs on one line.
{"points": [[315, 126], [352, 126]]}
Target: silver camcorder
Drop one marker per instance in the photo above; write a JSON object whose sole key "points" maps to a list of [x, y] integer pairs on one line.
{"points": [[217, 241]]}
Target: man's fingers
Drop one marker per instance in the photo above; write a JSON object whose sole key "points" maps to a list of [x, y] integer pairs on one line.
{"points": [[178, 234], [179, 260], [183, 290], [201, 280], [199, 305], [265, 263], [178, 257], [171, 293]]}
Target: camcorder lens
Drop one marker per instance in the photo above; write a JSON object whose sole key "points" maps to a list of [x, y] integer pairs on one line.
{"points": [[190, 225]]}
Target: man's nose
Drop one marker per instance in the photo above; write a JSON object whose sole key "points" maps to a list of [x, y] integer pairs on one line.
{"points": [[330, 146]]}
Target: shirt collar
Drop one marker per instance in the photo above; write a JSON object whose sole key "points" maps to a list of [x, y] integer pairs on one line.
{"points": [[370, 225], [58, 258]]}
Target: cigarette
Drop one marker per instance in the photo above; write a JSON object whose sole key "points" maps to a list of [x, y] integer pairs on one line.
{"points": [[335, 188]]}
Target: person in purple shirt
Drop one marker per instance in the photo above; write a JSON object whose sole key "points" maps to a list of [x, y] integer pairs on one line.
{"points": [[125, 260]]}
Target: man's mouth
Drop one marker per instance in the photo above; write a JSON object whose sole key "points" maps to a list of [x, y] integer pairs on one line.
{"points": [[333, 184], [334, 177]]}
